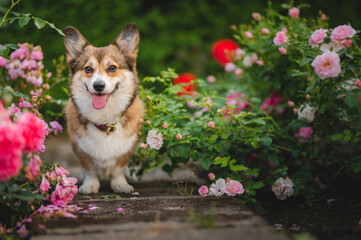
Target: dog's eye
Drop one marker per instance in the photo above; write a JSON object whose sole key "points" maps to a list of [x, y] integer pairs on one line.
{"points": [[89, 69], [112, 68]]}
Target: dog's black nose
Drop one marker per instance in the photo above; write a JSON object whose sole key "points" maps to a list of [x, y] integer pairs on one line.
{"points": [[99, 86]]}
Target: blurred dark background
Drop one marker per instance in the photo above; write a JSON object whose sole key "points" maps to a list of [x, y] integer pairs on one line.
{"points": [[175, 34]]}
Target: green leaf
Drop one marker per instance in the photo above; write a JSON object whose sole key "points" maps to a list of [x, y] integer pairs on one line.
{"points": [[347, 132], [224, 135], [184, 150], [347, 138], [351, 101], [55, 28], [218, 147], [254, 144], [258, 121], [237, 168], [206, 163], [23, 21], [39, 23], [213, 138], [267, 141], [336, 136], [258, 185], [218, 160], [305, 61]]}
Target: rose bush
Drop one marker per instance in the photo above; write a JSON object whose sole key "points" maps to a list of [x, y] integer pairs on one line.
{"points": [[287, 106], [26, 111]]}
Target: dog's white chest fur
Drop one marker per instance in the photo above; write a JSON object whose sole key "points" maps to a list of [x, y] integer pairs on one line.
{"points": [[106, 149]]}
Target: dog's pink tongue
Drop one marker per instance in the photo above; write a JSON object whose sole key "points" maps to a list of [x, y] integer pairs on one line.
{"points": [[99, 101]]}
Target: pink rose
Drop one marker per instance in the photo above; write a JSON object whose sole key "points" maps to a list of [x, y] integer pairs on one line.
{"points": [[179, 136], [280, 38], [341, 33], [37, 55], [44, 185], [358, 83], [270, 104], [165, 126], [211, 79], [265, 31], [56, 126], [260, 62], [61, 172], [211, 176], [229, 67], [238, 71], [3, 61], [64, 191], [233, 188], [290, 103], [282, 50], [317, 37], [327, 65], [294, 12], [248, 34], [323, 17], [304, 133], [347, 44], [11, 143], [256, 16], [33, 170], [284, 30], [143, 145], [211, 124], [203, 190], [32, 130]]}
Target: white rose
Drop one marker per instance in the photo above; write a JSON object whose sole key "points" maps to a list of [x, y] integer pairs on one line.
{"points": [[154, 140], [307, 112], [283, 188], [247, 61]]}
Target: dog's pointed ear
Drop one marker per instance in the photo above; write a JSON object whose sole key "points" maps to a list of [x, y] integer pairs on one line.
{"points": [[74, 42], [128, 40]]}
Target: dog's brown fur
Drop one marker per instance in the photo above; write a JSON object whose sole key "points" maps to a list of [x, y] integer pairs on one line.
{"points": [[122, 53]]}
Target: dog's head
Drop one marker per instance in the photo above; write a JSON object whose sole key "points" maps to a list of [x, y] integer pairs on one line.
{"points": [[98, 75]]}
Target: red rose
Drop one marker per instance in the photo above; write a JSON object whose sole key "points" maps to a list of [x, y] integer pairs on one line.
{"points": [[185, 78], [221, 50]]}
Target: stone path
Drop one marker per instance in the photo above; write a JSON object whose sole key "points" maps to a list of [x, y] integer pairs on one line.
{"points": [[156, 211], [159, 212]]}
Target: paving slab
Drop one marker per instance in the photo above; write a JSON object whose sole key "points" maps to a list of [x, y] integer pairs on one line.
{"points": [[158, 212]]}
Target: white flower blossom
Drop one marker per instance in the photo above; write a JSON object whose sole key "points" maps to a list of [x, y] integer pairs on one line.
{"points": [[306, 112], [218, 189], [283, 188], [247, 61], [154, 140], [335, 47]]}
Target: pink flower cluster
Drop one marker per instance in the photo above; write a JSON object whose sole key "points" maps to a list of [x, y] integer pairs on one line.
{"points": [[221, 187], [26, 62], [271, 103], [26, 135], [65, 187], [327, 64], [236, 99], [304, 133]]}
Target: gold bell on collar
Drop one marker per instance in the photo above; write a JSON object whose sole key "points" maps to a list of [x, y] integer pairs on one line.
{"points": [[110, 128]]}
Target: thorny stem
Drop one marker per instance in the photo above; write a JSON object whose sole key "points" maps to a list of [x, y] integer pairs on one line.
{"points": [[4, 20]]}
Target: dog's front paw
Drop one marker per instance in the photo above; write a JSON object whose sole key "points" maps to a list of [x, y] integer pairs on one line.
{"points": [[89, 186], [121, 185]]}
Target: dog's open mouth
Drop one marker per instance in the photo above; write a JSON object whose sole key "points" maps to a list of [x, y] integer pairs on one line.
{"points": [[100, 100]]}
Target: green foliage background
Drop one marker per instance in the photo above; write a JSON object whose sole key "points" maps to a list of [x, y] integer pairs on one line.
{"points": [[175, 34]]}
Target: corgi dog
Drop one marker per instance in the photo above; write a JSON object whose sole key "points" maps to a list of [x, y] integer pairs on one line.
{"points": [[104, 110]]}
